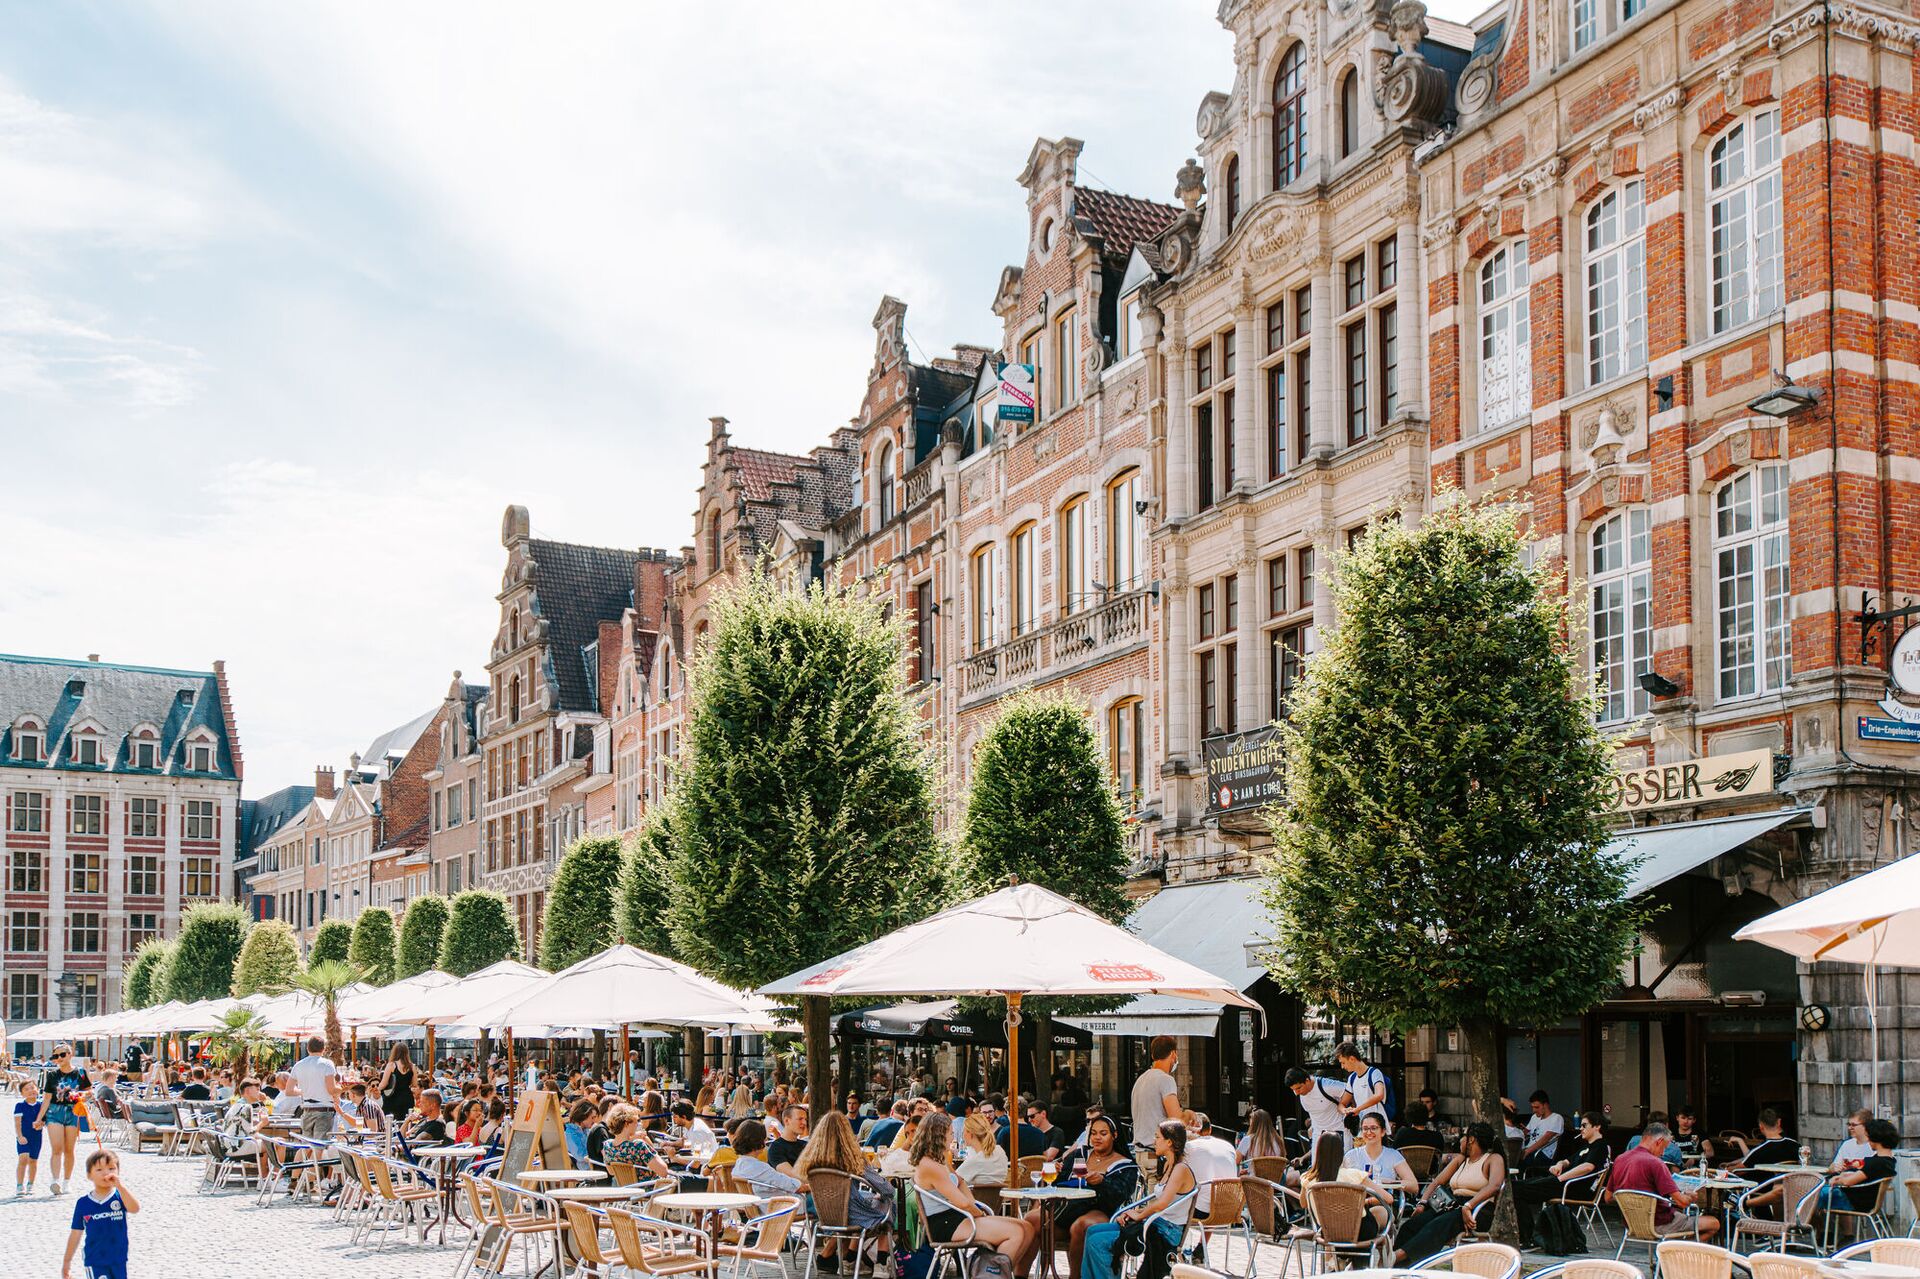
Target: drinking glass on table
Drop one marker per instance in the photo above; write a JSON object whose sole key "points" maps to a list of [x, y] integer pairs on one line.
{"points": [[1080, 1169], [1049, 1172]]}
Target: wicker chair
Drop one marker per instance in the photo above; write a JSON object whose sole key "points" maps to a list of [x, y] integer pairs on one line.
{"points": [[1481, 1260], [649, 1246], [1337, 1210], [1269, 1168], [832, 1191], [1887, 1252], [1638, 1209], [1874, 1216], [1781, 1265], [1227, 1213], [1028, 1165], [767, 1242], [1421, 1160], [1913, 1197], [623, 1174], [1799, 1192], [583, 1240], [1685, 1259], [1590, 1268]]}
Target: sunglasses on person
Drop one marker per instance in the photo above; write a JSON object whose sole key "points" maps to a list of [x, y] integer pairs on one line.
{"points": [[61, 1056]]}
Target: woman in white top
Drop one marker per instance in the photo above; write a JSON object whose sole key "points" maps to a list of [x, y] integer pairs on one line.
{"points": [[983, 1162], [740, 1103], [964, 1218], [1169, 1209], [1383, 1168]]}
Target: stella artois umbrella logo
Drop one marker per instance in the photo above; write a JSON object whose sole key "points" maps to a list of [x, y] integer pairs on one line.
{"points": [[1122, 972], [827, 977]]}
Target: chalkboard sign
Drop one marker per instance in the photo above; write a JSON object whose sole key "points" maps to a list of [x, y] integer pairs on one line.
{"points": [[537, 1139]]}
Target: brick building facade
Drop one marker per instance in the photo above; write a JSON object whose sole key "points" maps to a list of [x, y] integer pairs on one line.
{"points": [[122, 793]]}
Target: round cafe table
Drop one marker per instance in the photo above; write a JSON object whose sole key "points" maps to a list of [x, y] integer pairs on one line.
{"points": [[1785, 1168], [446, 1159], [560, 1176], [1712, 1189], [1867, 1270], [705, 1206], [1049, 1198]]}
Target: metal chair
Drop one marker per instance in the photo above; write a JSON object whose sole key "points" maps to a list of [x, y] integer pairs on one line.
{"points": [[522, 1217], [832, 1191], [1180, 1203], [1227, 1213], [1686, 1259], [583, 1226], [1799, 1193], [402, 1197], [1587, 1208], [1482, 1260], [945, 1253], [1338, 1210], [766, 1246], [1593, 1268], [650, 1246], [1896, 1251], [1874, 1215]]}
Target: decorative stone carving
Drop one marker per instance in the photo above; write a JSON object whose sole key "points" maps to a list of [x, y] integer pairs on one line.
{"points": [[1797, 26], [1490, 210], [1657, 111], [1278, 234], [1412, 91], [1605, 435], [1601, 152], [1541, 177], [1439, 230], [889, 328], [1177, 249], [1407, 24], [1478, 84], [1213, 115], [1098, 357], [1869, 25], [1190, 183]]}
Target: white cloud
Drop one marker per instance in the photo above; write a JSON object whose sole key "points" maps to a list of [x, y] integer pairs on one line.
{"points": [[50, 351]]}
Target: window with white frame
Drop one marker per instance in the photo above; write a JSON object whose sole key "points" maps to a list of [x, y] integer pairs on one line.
{"points": [[1215, 368], [86, 994], [86, 872], [1616, 283], [1743, 215], [146, 752], [1126, 750], [27, 870], [29, 742], [1290, 116], [1025, 586], [980, 593], [1594, 20], [1066, 354], [26, 932], [1620, 612], [1288, 626], [27, 812], [197, 877], [86, 749], [143, 875], [142, 926], [143, 817], [1752, 585], [1506, 360], [1126, 337], [1126, 532], [1286, 370], [83, 933], [1076, 568], [200, 758], [202, 821], [883, 482], [23, 997], [87, 814]]}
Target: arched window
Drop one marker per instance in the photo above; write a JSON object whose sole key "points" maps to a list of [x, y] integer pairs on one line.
{"points": [[1743, 180], [1506, 357], [513, 700], [980, 609], [1620, 612], [883, 482], [1290, 116], [1231, 196], [513, 629], [1349, 112], [1126, 754], [1126, 532], [713, 541], [1025, 585], [29, 740], [1616, 283], [1752, 585], [1076, 581]]}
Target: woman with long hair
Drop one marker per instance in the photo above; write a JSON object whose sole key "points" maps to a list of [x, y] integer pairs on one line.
{"points": [[982, 1160], [1112, 1176], [1169, 1209], [834, 1146], [63, 1095], [1472, 1180], [1262, 1140], [472, 1115], [932, 1156], [703, 1101], [397, 1083]]}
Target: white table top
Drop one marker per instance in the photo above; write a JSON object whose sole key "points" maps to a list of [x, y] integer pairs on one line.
{"points": [[1851, 1269], [561, 1175], [705, 1202], [448, 1152], [588, 1193], [1047, 1192], [1786, 1168]]}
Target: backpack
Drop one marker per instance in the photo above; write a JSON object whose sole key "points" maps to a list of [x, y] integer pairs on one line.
{"points": [[1560, 1232], [987, 1264]]}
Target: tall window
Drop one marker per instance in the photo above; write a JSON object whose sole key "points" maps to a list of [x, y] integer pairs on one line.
{"points": [[83, 933], [922, 632], [1616, 283], [1620, 620], [1126, 337], [1076, 576], [883, 482], [142, 926], [1126, 532], [1230, 197], [1286, 367], [27, 871], [1025, 585], [1743, 211], [1595, 19], [86, 872], [1288, 625], [1751, 582], [87, 815], [1066, 350], [1126, 755], [143, 817], [1349, 113], [23, 997], [1290, 116], [28, 812], [26, 932], [1369, 339], [201, 822], [143, 875], [1216, 664], [1216, 363], [980, 589], [713, 543], [1506, 359]]}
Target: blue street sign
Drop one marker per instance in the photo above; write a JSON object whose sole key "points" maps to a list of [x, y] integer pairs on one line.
{"points": [[1887, 730]]}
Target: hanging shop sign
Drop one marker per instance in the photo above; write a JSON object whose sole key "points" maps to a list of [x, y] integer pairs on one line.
{"points": [[1696, 781], [1243, 770], [1019, 394], [1904, 669]]}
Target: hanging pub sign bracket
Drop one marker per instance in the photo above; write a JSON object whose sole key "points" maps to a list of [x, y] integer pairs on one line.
{"points": [[1874, 621]]}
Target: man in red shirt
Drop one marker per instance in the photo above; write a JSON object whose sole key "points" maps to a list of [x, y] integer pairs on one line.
{"points": [[1642, 1168]]}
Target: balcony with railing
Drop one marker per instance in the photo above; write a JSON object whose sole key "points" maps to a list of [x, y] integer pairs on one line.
{"points": [[1111, 627]]}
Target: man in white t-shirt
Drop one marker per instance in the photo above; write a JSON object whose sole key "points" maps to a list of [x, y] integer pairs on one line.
{"points": [[1544, 1129], [318, 1083], [1156, 1094], [1855, 1147], [1211, 1158], [1325, 1102], [1368, 1084]]}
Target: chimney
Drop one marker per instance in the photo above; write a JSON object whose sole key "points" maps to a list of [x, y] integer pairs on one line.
{"points": [[93, 657], [323, 781]]}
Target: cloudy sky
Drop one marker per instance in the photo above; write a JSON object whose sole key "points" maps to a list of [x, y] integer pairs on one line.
{"points": [[296, 298]]}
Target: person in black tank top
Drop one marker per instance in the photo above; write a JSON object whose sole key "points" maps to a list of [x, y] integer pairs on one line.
{"points": [[396, 1084]]}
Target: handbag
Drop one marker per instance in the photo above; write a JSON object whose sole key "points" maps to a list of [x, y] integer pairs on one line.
{"points": [[1441, 1198]]}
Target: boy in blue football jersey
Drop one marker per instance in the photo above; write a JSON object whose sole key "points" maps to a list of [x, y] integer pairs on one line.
{"points": [[100, 1218]]}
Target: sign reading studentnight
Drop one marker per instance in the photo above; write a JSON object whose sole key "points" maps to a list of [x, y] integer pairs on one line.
{"points": [[1696, 781], [1243, 770], [1019, 393]]}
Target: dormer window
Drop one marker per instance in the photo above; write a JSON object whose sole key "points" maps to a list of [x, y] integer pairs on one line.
{"points": [[144, 752], [29, 742], [200, 758], [86, 750]]}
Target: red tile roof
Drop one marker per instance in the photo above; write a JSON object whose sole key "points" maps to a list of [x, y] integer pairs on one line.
{"points": [[1121, 220], [760, 471]]}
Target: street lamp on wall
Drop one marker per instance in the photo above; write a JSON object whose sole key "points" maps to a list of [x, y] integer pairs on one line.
{"points": [[1786, 399]]}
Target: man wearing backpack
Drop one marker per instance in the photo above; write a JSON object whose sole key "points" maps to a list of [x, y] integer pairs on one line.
{"points": [[1325, 1102], [1370, 1092]]}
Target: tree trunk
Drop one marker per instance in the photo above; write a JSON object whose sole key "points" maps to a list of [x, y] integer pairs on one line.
{"points": [[848, 1084], [600, 1054], [1042, 1062], [1482, 1038], [483, 1055], [335, 1047], [816, 1016], [695, 1044]]}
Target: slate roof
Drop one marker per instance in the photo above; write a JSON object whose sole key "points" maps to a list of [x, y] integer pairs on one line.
{"points": [[1120, 221], [396, 742], [119, 698], [575, 588], [261, 818]]}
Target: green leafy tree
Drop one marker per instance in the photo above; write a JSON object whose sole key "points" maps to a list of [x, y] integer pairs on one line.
{"points": [[328, 980], [332, 943], [1439, 859], [204, 954], [645, 891], [372, 948], [421, 929], [480, 931], [579, 918], [144, 984], [269, 960], [803, 820], [243, 1041], [1042, 809]]}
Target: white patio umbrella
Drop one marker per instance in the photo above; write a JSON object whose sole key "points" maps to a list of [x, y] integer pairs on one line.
{"points": [[625, 985], [384, 1004], [1872, 920], [1019, 941], [456, 1004]]}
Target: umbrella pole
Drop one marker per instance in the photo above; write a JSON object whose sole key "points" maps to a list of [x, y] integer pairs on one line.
{"points": [[1013, 1077], [509, 1060], [429, 1056], [625, 1074]]}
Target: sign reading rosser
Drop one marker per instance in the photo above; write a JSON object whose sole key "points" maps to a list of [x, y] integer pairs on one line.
{"points": [[1697, 781], [1243, 770]]}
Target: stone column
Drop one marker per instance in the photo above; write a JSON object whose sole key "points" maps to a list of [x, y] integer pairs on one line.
{"points": [[1251, 711], [1321, 437], [1247, 468], [1410, 313], [1177, 677], [56, 885], [1179, 430]]}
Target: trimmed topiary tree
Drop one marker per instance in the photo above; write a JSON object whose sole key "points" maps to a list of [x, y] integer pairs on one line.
{"points": [[332, 943], [421, 928], [269, 960], [205, 952], [372, 949], [803, 819], [644, 891], [144, 982], [579, 918], [480, 931], [1042, 809]]}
